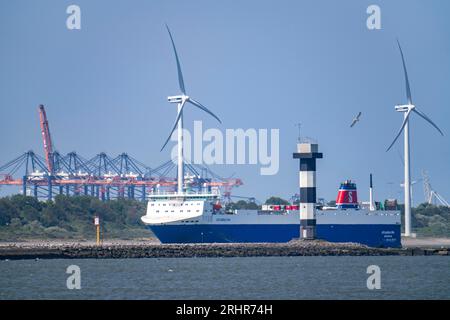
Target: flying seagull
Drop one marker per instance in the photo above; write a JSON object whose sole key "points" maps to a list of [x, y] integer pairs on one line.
{"points": [[355, 120]]}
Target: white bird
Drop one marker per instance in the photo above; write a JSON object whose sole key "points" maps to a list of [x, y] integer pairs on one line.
{"points": [[355, 120]]}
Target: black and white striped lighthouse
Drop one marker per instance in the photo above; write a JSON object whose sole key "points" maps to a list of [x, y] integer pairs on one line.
{"points": [[307, 153]]}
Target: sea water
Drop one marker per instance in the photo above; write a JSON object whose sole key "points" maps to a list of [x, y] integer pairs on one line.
{"points": [[421, 277]]}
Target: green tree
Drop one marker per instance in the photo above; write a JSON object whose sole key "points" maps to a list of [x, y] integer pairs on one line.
{"points": [[242, 205], [277, 201], [7, 211]]}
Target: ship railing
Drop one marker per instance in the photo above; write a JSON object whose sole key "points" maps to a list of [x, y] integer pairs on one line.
{"points": [[357, 212], [184, 194]]}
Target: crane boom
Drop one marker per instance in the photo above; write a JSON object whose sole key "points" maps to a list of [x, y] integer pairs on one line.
{"points": [[47, 139]]}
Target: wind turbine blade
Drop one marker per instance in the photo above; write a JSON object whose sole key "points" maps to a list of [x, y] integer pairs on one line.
{"points": [[180, 74], [423, 115], [174, 126], [401, 129], [202, 107], [408, 90]]}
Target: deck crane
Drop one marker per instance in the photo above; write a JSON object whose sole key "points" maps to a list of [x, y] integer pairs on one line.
{"points": [[47, 139]]}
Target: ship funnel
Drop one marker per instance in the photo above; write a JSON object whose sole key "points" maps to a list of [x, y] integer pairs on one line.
{"points": [[347, 196]]}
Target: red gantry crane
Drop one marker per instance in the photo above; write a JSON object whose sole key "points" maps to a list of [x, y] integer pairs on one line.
{"points": [[48, 146]]}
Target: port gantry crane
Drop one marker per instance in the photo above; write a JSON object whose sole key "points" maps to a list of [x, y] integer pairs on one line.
{"points": [[432, 195], [101, 176]]}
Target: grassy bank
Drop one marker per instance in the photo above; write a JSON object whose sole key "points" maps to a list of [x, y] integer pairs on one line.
{"points": [[24, 217]]}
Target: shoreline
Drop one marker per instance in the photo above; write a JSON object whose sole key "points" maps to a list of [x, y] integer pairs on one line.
{"points": [[151, 248]]}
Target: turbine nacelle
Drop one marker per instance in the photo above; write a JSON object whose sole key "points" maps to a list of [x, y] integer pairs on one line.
{"points": [[177, 99], [404, 108]]}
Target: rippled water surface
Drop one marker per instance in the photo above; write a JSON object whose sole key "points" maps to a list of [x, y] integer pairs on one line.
{"points": [[229, 278]]}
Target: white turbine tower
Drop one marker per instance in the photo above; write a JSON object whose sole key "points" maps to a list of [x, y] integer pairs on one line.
{"points": [[407, 109], [412, 185], [181, 100]]}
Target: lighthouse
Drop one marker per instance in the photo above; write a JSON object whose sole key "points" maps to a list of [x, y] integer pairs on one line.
{"points": [[307, 153]]}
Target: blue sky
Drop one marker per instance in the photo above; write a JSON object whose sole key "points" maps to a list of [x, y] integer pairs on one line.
{"points": [[257, 64]]}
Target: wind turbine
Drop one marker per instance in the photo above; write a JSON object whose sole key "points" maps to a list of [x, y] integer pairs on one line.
{"points": [[407, 109], [181, 100]]}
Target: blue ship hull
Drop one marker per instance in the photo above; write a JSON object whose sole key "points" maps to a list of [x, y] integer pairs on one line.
{"points": [[373, 235]]}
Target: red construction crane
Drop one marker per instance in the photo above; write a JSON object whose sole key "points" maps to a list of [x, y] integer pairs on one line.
{"points": [[48, 146]]}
